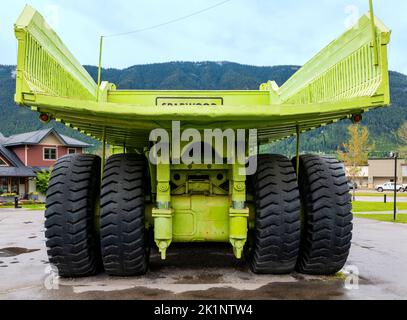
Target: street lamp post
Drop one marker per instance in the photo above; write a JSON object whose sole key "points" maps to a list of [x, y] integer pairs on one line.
{"points": [[395, 155]]}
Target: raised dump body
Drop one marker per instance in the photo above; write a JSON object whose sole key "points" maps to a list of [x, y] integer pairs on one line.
{"points": [[345, 78], [178, 202]]}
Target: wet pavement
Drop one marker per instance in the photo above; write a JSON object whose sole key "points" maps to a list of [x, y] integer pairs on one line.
{"points": [[379, 257]]}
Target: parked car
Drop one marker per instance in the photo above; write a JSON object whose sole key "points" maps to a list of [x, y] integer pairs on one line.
{"points": [[389, 186]]}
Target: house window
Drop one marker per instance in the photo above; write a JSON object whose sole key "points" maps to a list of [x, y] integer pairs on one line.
{"points": [[3, 185], [15, 185], [71, 151], [50, 154]]}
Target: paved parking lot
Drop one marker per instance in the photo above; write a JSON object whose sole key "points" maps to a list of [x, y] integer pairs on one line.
{"points": [[379, 255]]}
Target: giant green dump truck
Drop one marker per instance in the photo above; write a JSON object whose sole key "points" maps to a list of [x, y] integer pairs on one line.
{"points": [[286, 215]]}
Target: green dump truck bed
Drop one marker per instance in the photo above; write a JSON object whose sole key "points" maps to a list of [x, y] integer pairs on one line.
{"points": [[348, 77]]}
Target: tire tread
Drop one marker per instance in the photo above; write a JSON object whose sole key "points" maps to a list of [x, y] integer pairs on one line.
{"points": [[123, 236], [327, 223], [73, 245], [276, 238]]}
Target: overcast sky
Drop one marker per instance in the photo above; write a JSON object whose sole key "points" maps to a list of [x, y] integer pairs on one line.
{"points": [[256, 32]]}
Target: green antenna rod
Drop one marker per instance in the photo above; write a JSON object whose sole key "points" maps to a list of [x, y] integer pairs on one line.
{"points": [[374, 35], [100, 67]]}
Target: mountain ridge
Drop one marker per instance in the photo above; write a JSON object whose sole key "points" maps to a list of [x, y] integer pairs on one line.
{"points": [[222, 75]]}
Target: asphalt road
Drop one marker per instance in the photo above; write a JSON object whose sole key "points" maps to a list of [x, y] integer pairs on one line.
{"points": [[379, 256]]}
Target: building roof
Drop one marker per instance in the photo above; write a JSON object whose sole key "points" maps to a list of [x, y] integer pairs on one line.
{"points": [[17, 172], [10, 157], [17, 169], [71, 142], [35, 137]]}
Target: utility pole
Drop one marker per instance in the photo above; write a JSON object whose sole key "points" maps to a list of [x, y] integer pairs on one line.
{"points": [[395, 155]]}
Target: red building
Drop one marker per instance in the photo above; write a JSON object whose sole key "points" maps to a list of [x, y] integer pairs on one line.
{"points": [[22, 155]]}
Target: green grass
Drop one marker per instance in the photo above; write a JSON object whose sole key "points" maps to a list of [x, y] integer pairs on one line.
{"points": [[357, 207], [31, 207], [401, 218], [378, 194], [376, 206]]}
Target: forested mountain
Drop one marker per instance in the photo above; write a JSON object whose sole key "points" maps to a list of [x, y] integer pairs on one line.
{"points": [[383, 123]]}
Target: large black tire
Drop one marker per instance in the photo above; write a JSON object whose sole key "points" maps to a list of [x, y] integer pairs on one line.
{"points": [[125, 245], [327, 224], [71, 206], [275, 241]]}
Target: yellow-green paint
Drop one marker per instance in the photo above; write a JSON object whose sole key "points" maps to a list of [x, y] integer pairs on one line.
{"points": [[238, 229], [200, 218], [103, 151], [163, 184], [297, 156], [45, 65], [343, 79], [163, 212], [163, 229], [374, 42], [349, 76], [238, 212], [99, 68], [238, 183], [198, 208], [203, 179]]}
